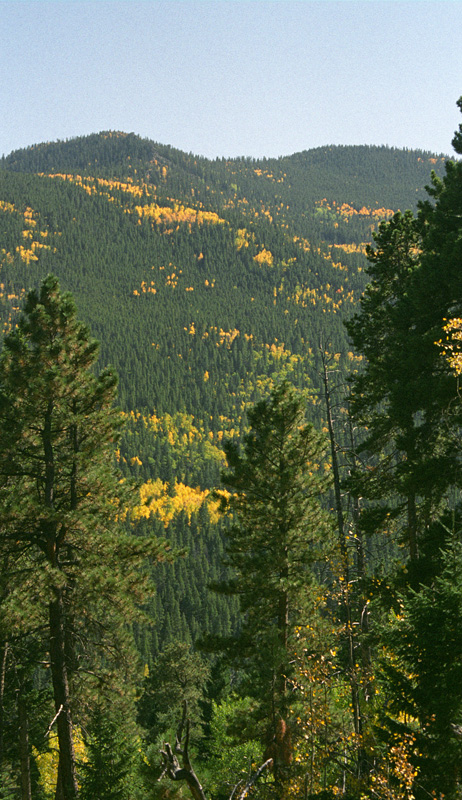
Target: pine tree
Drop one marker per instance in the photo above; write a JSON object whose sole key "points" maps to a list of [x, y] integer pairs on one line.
{"points": [[383, 393], [421, 676], [61, 497], [111, 750], [177, 676], [406, 395], [279, 533]]}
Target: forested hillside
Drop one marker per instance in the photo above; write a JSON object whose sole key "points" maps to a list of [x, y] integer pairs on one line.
{"points": [[204, 281], [200, 278], [219, 291]]}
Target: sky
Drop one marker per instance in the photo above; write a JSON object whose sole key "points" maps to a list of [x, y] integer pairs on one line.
{"points": [[232, 77]]}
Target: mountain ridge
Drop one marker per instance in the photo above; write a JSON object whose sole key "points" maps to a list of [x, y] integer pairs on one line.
{"points": [[109, 152]]}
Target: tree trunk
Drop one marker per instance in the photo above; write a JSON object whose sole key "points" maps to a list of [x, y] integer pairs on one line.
{"points": [[3, 659], [24, 748], [412, 526], [344, 561], [67, 788]]}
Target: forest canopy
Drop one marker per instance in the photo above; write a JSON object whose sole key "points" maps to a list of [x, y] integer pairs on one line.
{"points": [[258, 553]]}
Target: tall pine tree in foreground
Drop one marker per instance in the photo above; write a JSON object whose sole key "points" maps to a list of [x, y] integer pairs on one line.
{"points": [[60, 499], [383, 393], [280, 531], [405, 395], [421, 670], [408, 398]]}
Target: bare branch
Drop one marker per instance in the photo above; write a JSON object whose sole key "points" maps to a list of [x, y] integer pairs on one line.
{"points": [[54, 719], [171, 765], [176, 772], [253, 778]]}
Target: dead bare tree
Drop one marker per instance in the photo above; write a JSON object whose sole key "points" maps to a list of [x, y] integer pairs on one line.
{"points": [[184, 772]]}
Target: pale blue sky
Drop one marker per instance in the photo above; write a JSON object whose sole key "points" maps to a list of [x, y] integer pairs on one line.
{"points": [[229, 78]]}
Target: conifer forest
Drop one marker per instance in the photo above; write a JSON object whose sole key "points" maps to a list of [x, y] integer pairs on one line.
{"points": [[230, 473]]}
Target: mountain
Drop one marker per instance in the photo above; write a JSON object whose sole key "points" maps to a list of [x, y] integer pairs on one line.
{"points": [[204, 281], [155, 243]]}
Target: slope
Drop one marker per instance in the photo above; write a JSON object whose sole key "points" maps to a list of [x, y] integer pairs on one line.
{"points": [[204, 281]]}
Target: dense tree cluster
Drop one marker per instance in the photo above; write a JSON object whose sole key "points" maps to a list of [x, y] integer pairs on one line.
{"points": [[205, 283], [71, 576], [306, 636]]}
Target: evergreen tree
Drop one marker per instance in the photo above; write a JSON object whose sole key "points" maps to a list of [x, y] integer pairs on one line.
{"points": [[177, 676], [421, 676], [436, 296], [60, 498], [383, 393], [111, 751], [278, 535], [407, 397]]}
